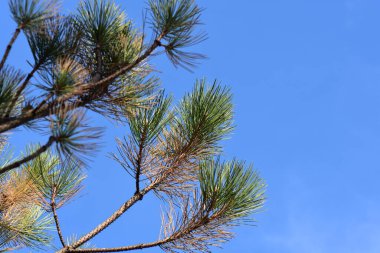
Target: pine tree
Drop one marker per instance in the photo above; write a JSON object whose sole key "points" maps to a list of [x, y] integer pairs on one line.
{"points": [[95, 59]]}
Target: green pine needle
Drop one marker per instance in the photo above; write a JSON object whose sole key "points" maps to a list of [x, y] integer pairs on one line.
{"points": [[26, 227], [29, 14], [10, 79], [204, 118], [175, 21], [231, 189], [150, 120], [101, 21], [55, 179], [74, 137]]}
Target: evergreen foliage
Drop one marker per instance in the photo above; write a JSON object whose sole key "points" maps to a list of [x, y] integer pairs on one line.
{"points": [[96, 59]]}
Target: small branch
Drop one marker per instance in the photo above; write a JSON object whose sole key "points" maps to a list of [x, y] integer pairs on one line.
{"points": [[99, 66], [28, 158], [50, 95], [135, 198], [56, 220], [9, 46], [119, 249], [139, 162], [169, 239], [21, 89]]}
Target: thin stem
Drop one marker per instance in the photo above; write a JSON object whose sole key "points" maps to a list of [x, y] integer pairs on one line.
{"points": [[56, 220], [9, 46], [21, 89], [50, 95], [98, 72], [126, 248], [135, 198], [28, 158], [139, 162], [97, 75]]}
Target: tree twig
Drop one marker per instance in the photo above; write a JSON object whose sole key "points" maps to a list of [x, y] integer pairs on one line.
{"points": [[9, 46], [50, 95], [126, 248], [21, 89], [56, 220], [30, 157], [139, 163], [135, 198]]}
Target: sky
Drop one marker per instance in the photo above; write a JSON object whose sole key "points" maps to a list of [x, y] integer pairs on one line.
{"points": [[305, 77]]}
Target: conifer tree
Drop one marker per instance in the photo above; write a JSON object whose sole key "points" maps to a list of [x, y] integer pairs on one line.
{"points": [[96, 59]]}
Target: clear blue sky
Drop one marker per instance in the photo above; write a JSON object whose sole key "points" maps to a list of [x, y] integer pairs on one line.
{"points": [[306, 82]]}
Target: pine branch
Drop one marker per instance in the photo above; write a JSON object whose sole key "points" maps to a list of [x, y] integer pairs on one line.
{"points": [[13, 122], [135, 198], [143, 245], [30, 157], [228, 195], [213, 96], [9, 46], [140, 246], [203, 119], [82, 88]]}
